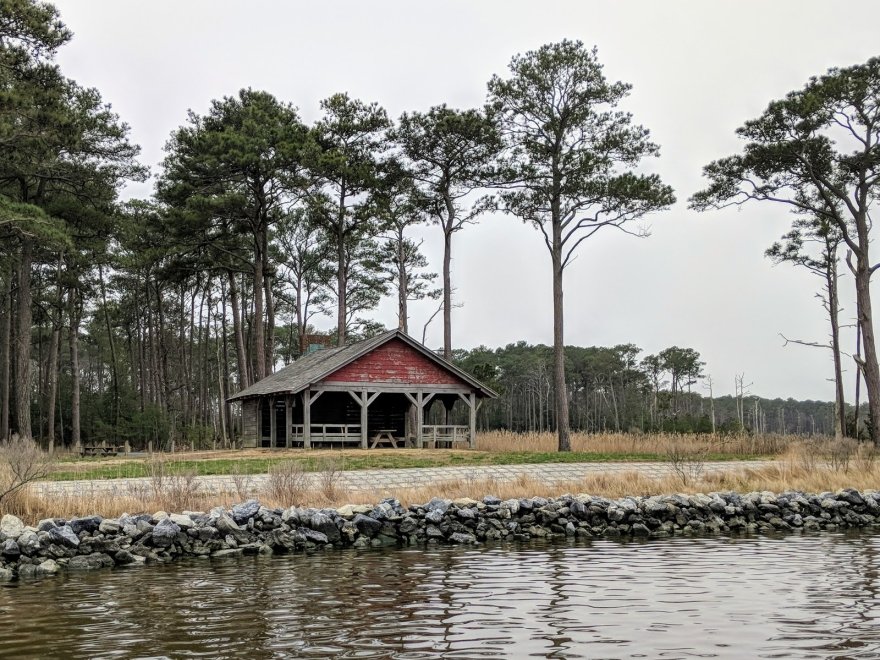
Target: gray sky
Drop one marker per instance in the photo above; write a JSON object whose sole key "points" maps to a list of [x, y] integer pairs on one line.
{"points": [[698, 70]]}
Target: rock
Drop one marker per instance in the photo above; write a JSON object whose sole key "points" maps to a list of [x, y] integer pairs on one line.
{"points": [[433, 532], [408, 525], [226, 525], [437, 504], [851, 495], [241, 512], [491, 500], [29, 542], [184, 522], [164, 533], [10, 526], [638, 529], [464, 538], [5, 574], [463, 502], [64, 535], [314, 536], [367, 526], [46, 524], [229, 552], [467, 514], [90, 562], [110, 527], [350, 510], [124, 558], [321, 522], [435, 516], [9, 550], [511, 505], [144, 526], [48, 567], [88, 524]]}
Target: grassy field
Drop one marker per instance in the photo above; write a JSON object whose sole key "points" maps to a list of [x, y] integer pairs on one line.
{"points": [[495, 448]]}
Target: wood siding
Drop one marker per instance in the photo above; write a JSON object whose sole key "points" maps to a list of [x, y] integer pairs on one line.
{"points": [[249, 425], [395, 362]]}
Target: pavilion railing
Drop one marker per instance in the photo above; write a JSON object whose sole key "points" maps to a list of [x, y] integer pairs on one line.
{"points": [[445, 435], [328, 432]]}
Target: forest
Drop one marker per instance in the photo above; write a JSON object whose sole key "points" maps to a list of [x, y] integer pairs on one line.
{"points": [[134, 319]]}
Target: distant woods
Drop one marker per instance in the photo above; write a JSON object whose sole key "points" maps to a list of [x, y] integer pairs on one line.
{"points": [[136, 320], [619, 388]]}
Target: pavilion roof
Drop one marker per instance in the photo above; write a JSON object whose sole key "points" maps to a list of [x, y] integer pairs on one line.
{"points": [[318, 365]]}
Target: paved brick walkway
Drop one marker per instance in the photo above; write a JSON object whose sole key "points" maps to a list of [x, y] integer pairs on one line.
{"points": [[378, 480]]}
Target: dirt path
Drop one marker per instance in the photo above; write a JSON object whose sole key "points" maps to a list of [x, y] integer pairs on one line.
{"points": [[377, 480]]}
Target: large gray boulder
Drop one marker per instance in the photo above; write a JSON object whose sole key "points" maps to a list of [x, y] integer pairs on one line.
{"points": [[9, 550], [241, 512], [29, 542], [164, 533], [88, 524], [321, 522], [63, 535], [48, 567], [10, 526]]}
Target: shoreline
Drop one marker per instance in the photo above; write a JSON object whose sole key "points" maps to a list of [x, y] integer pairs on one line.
{"points": [[93, 542]]}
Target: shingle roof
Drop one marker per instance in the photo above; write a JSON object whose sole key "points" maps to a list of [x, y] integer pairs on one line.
{"points": [[316, 366]]}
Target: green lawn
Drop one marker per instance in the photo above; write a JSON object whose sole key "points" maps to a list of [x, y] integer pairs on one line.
{"points": [[97, 468]]}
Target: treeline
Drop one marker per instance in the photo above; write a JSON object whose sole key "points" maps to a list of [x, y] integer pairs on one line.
{"points": [[135, 321], [612, 389]]}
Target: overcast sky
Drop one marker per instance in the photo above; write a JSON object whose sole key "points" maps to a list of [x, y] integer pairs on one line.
{"points": [[698, 70]]}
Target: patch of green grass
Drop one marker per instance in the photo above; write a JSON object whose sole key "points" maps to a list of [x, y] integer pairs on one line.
{"points": [[93, 469]]}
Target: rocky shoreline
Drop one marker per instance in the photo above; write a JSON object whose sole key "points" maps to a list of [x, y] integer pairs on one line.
{"points": [[93, 542]]}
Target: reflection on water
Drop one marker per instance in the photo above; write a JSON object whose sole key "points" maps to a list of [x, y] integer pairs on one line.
{"points": [[794, 596]]}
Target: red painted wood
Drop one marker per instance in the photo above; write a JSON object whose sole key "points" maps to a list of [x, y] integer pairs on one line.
{"points": [[394, 362]]}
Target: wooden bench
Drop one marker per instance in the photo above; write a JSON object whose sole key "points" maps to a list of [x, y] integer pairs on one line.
{"points": [[100, 450]]}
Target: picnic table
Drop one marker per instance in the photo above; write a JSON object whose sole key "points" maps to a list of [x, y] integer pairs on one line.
{"points": [[101, 450], [386, 436]]}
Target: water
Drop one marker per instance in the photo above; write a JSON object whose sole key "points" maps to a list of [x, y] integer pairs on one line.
{"points": [[786, 597]]}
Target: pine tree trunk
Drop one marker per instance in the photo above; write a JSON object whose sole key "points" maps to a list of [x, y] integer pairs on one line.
{"points": [[240, 356], [403, 285], [52, 368], [23, 348], [270, 318], [341, 291], [562, 421], [114, 366], [73, 340], [840, 401], [259, 312], [5, 353], [447, 294], [869, 365]]}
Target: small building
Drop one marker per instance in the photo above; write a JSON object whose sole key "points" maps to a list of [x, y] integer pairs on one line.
{"points": [[374, 392]]}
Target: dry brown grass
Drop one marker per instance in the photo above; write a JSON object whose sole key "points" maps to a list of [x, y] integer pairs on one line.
{"points": [[793, 472], [639, 443]]}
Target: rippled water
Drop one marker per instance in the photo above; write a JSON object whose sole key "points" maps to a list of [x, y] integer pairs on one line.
{"points": [[793, 596]]}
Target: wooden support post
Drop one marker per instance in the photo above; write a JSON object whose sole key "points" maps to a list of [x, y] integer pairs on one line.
{"points": [[273, 423], [288, 420], [420, 419], [472, 441], [364, 407], [307, 419]]}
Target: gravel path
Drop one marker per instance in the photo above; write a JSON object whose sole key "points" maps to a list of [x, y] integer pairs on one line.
{"points": [[377, 480]]}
